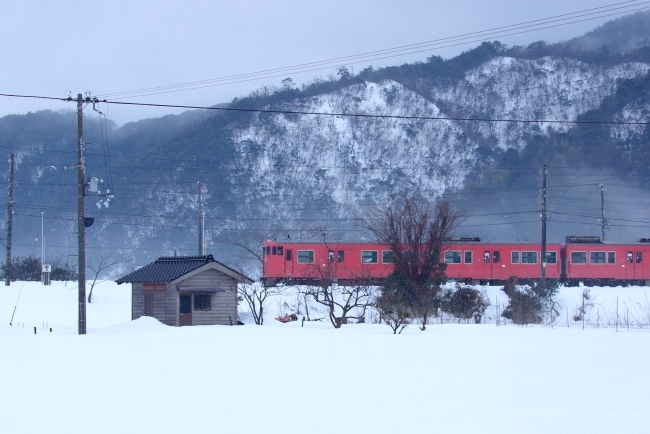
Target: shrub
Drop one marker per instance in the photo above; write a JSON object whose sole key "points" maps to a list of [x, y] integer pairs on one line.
{"points": [[528, 302], [465, 302]]}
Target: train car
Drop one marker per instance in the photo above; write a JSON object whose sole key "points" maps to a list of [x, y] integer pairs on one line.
{"points": [[588, 260], [496, 262], [306, 262]]}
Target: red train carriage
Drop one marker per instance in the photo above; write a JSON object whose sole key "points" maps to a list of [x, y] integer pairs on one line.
{"points": [[587, 259], [301, 262], [494, 262]]}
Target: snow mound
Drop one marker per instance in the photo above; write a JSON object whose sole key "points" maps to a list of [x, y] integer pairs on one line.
{"points": [[142, 324]]}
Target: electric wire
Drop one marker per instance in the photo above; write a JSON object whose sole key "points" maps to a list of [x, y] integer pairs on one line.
{"points": [[393, 52]]}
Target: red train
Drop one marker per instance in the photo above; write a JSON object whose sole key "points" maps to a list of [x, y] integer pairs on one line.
{"points": [[579, 259]]}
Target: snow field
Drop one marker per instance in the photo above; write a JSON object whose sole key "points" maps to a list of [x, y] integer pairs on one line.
{"points": [[145, 377]]}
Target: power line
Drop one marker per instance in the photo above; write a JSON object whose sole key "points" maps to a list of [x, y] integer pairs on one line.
{"points": [[534, 25], [352, 115]]}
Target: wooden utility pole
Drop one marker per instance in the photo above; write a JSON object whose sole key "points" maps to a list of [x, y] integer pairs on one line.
{"points": [[10, 213], [603, 221], [201, 223], [81, 228], [543, 261]]}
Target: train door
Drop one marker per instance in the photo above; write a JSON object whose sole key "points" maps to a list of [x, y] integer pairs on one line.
{"points": [[496, 265], [288, 262], [638, 265], [486, 273], [633, 262], [491, 265]]}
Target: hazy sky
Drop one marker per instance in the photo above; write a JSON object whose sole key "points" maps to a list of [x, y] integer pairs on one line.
{"points": [[49, 47]]}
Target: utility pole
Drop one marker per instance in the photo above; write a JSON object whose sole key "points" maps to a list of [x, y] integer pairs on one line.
{"points": [[201, 223], [81, 228], [543, 271], [10, 213], [604, 224]]}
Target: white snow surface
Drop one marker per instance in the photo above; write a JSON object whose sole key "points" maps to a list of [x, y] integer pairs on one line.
{"points": [[144, 377]]}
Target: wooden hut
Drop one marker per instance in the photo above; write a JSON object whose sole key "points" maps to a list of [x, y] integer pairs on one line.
{"points": [[185, 290]]}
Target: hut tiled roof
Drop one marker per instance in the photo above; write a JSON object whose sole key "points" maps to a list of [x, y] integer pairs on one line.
{"points": [[167, 269]]}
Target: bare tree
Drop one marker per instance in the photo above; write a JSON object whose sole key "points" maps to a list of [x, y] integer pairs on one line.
{"points": [[102, 262], [415, 233], [250, 259], [340, 300]]}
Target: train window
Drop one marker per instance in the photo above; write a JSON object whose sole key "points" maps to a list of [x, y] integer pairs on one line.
{"points": [[368, 256], [629, 257], [611, 257], [515, 257], [452, 257], [305, 256], [639, 257], [341, 255], [597, 257], [275, 250], [486, 257], [387, 257], [280, 250], [551, 258], [330, 256], [468, 256], [289, 258], [578, 257], [497, 257], [268, 251], [529, 257]]}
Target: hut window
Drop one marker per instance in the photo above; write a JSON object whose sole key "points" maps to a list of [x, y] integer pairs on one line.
{"points": [[201, 301]]}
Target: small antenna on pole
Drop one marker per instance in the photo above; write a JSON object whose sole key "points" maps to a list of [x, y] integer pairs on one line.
{"points": [[201, 223]]}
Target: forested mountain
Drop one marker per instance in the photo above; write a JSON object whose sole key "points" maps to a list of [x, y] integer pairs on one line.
{"points": [[289, 171]]}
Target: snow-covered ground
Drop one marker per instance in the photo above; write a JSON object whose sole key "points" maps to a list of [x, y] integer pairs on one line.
{"points": [[144, 377]]}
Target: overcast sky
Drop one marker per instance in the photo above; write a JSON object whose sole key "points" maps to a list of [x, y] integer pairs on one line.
{"points": [[48, 48]]}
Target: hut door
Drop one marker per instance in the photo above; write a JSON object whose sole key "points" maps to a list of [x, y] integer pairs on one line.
{"points": [[148, 305], [185, 310]]}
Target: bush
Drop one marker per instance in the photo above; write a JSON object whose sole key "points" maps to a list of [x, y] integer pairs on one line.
{"points": [[29, 270], [465, 302], [528, 302], [24, 269]]}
